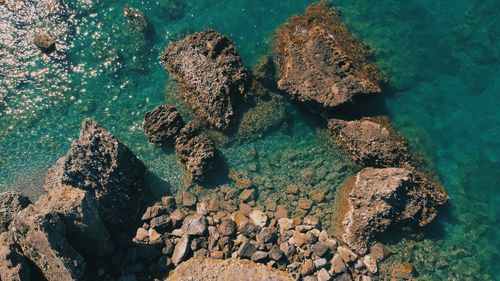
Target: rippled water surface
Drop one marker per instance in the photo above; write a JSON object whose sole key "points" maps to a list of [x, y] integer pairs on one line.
{"points": [[442, 59]]}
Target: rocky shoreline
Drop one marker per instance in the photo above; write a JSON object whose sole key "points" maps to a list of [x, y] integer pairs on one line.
{"points": [[93, 222]]}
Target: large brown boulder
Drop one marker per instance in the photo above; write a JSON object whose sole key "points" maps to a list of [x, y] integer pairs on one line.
{"points": [[100, 164], [320, 62], [79, 211], [11, 202], [225, 270], [42, 238], [13, 264], [163, 124], [196, 151], [378, 198], [210, 75], [372, 142]]}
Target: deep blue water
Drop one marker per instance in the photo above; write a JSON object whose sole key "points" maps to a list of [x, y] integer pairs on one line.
{"points": [[442, 59]]}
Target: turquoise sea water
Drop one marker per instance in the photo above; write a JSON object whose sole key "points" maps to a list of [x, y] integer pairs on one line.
{"points": [[442, 59]]}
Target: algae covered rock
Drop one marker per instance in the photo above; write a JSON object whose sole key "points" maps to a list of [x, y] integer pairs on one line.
{"points": [[11, 202], [102, 165], [320, 62], [376, 199], [372, 142], [210, 75], [162, 124]]}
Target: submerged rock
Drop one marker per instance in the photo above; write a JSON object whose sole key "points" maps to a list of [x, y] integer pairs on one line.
{"points": [[321, 62], [163, 124], [376, 199], [100, 164], [210, 75], [135, 19], [232, 269], [45, 43], [196, 151], [372, 142], [11, 202], [42, 238]]}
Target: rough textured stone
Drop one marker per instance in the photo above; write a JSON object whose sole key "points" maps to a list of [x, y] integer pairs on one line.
{"points": [[44, 42], [46, 233], [196, 151], [181, 250], [13, 264], [338, 265], [259, 256], [162, 124], [246, 250], [227, 228], [375, 199], [195, 225], [320, 62], [99, 163], [210, 75], [231, 269], [372, 142], [258, 218], [323, 275], [11, 202], [80, 212]]}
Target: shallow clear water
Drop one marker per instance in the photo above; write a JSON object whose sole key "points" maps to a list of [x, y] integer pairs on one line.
{"points": [[442, 59]]}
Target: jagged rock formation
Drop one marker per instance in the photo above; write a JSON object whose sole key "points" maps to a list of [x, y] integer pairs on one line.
{"points": [[196, 152], [163, 124], [377, 198], [13, 264], [372, 142], [100, 164], [11, 202], [210, 75], [225, 270], [321, 62]]}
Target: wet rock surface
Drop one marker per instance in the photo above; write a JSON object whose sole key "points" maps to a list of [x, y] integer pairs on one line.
{"points": [[372, 142], [376, 199], [102, 165], [210, 75], [320, 62], [163, 124], [232, 269], [45, 43], [11, 202]]}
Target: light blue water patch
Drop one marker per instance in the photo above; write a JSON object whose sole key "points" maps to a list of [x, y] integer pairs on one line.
{"points": [[442, 59]]}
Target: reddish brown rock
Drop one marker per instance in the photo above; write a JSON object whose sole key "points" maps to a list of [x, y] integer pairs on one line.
{"points": [[321, 62], [210, 75], [102, 165], [372, 142], [375, 199], [11, 202], [13, 264]]}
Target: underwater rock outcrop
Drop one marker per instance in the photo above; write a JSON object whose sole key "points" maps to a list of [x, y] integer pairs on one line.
{"points": [[102, 165], [163, 124], [372, 142], [376, 199], [45, 43], [320, 62], [210, 75], [11, 202]]}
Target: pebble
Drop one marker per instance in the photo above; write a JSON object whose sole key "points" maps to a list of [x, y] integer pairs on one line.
{"points": [[141, 234], [152, 212], [259, 256], [298, 238], [217, 255], [346, 254], [202, 208], [246, 250], [162, 222], [195, 225], [281, 212], [310, 278], [276, 253], [288, 250], [247, 195], [188, 199], [317, 196], [266, 235], [338, 265], [305, 204], [154, 236], [323, 275], [177, 217], [227, 228], [370, 263], [303, 228], [320, 263], [319, 249], [239, 219], [258, 218], [285, 224], [307, 268], [312, 221], [181, 250]]}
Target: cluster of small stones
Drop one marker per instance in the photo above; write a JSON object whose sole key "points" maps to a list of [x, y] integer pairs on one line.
{"points": [[185, 227]]}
